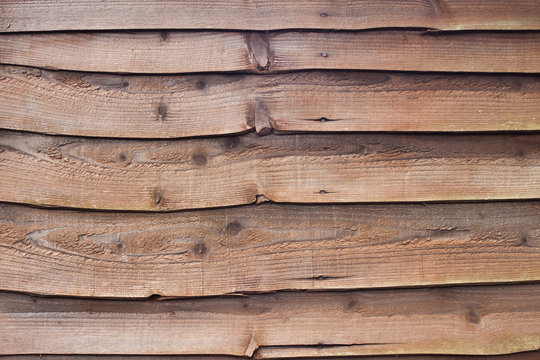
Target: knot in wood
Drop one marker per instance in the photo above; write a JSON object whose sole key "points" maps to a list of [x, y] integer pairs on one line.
{"points": [[259, 52]]}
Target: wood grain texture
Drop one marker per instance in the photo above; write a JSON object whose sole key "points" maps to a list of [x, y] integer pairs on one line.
{"points": [[42, 15], [205, 51], [266, 248], [170, 106], [529, 355], [465, 320], [162, 175]]}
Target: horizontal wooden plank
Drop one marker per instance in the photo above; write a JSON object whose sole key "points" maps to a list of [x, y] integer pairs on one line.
{"points": [[158, 175], [42, 15], [529, 355], [463, 320], [136, 106], [205, 51], [266, 248]]}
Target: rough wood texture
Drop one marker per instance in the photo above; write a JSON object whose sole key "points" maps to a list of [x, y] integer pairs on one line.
{"points": [[529, 355], [162, 175], [174, 51], [467, 320], [42, 15], [266, 248], [176, 106]]}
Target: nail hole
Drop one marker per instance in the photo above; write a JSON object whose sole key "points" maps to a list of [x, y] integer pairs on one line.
{"points": [[122, 157], [322, 192], [323, 119], [324, 54], [323, 15]]}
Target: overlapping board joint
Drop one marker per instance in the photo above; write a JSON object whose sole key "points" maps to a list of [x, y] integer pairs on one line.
{"points": [[299, 81]]}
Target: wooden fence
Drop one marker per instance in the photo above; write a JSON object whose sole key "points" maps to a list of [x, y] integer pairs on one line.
{"points": [[270, 179]]}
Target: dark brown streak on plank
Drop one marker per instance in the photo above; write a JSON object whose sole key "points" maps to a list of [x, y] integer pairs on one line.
{"points": [[197, 105], [266, 248], [28, 15], [205, 51], [438, 320]]}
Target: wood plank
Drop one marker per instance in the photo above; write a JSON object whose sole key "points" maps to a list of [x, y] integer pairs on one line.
{"points": [[41, 15], [480, 320], [136, 106], [204, 51], [529, 355], [266, 248], [158, 175]]}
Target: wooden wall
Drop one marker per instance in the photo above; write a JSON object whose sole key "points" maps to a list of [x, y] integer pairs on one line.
{"points": [[270, 179]]}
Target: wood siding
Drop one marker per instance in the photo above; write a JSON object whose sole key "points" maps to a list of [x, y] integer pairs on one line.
{"points": [[265, 179]]}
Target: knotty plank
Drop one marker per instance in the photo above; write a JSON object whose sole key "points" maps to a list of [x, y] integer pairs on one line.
{"points": [[464, 320], [41, 15], [266, 248], [205, 51], [158, 175], [170, 106]]}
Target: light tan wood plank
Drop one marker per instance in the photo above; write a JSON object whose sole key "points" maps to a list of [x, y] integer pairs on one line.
{"points": [[176, 106], [41, 15], [469, 320], [197, 173], [182, 52], [266, 248]]}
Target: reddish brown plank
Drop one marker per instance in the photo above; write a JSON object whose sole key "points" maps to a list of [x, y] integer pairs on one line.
{"points": [[530, 355], [42, 15], [204, 51], [266, 248], [158, 175], [466, 320], [175, 106]]}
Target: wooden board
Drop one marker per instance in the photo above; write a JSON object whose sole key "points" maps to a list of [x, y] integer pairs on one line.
{"points": [[266, 248], [467, 320], [176, 106], [203, 51], [42, 15], [529, 355], [163, 175]]}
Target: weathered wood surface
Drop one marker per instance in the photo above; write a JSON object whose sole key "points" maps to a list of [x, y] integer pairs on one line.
{"points": [[158, 175], [463, 320], [137, 106], [204, 51], [266, 248], [42, 15], [529, 355]]}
